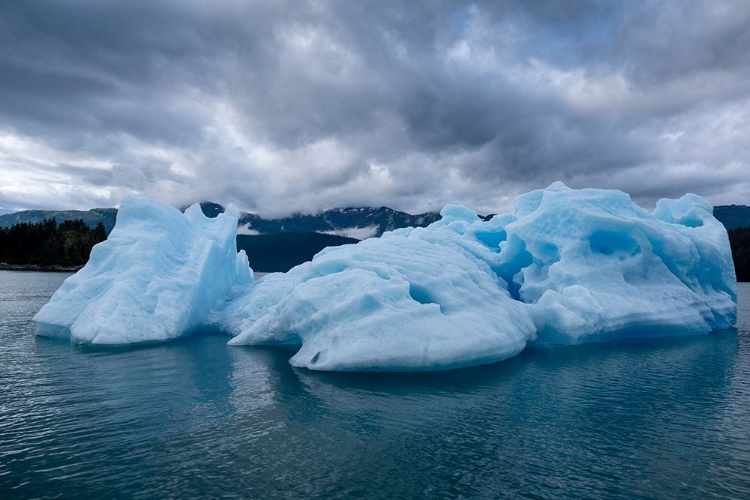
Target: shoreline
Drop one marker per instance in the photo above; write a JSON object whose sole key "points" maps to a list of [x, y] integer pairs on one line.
{"points": [[70, 269], [56, 268]]}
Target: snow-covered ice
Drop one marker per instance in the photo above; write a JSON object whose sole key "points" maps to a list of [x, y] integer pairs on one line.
{"points": [[566, 266]]}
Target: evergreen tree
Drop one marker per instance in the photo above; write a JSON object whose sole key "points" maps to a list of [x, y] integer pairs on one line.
{"points": [[47, 243], [739, 240]]}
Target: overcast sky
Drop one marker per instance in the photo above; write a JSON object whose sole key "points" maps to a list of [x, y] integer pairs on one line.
{"points": [[281, 106]]}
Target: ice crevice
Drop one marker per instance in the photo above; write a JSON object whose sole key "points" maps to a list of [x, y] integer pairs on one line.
{"points": [[565, 266]]}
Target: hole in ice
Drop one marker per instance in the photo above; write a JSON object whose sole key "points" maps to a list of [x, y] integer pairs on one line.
{"points": [[491, 239], [315, 358], [421, 295], [691, 222], [516, 257], [613, 243], [325, 267]]}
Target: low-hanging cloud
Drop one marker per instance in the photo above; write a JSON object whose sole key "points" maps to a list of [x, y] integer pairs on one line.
{"points": [[282, 106]]}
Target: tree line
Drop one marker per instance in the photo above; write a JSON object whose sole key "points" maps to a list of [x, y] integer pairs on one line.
{"points": [[48, 243], [739, 239]]}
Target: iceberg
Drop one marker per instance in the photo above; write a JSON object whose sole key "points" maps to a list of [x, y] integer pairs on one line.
{"points": [[414, 299], [566, 266], [155, 278]]}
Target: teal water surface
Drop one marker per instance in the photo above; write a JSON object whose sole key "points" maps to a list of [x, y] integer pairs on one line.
{"points": [[195, 418]]}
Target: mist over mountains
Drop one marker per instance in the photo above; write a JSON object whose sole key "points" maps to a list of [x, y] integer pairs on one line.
{"points": [[340, 221], [347, 222]]}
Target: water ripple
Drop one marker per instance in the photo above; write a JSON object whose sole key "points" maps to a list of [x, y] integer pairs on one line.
{"points": [[665, 418]]}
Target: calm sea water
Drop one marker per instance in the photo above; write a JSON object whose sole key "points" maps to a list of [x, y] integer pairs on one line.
{"points": [[196, 418]]}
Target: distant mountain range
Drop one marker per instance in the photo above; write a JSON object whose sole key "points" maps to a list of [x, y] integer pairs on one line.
{"points": [[359, 222], [354, 222], [280, 244]]}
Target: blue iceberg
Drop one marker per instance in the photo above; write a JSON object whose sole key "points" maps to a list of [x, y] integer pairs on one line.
{"points": [[155, 278], [566, 266]]}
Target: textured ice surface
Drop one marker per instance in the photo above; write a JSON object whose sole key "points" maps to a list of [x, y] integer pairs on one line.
{"points": [[155, 278], [593, 265], [413, 299], [566, 266]]}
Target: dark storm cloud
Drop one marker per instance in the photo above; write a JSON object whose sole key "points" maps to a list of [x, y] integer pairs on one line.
{"points": [[282, 106]]}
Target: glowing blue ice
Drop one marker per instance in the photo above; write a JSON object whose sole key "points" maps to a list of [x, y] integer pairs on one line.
{"points": [[566, 266], [155, 278]]}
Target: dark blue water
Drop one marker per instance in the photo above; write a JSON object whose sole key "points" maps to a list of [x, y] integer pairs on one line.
{"points": [[196, 418]]}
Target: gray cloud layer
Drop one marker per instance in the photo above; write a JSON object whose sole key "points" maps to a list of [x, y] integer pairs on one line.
{"points": [[283, 106]]}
